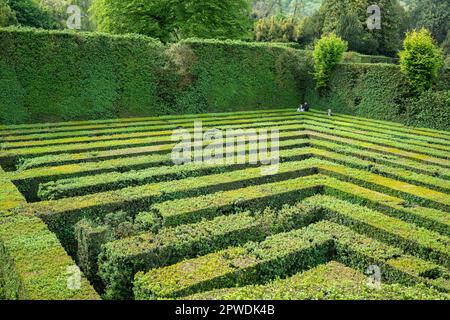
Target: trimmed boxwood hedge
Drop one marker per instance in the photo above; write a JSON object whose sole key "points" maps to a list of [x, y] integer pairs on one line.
{"points": [[121, 259], [34, 265], [331, 281], [283, 254]]}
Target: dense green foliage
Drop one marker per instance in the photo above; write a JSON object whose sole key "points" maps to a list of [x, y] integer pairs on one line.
{"points": [[431, 107], [348, 20], [31, 14], [193, 76], [229, 76], [49, 77], [170, 19], [57, 75], [328, 52], [381, 91], [433, 15], [7, 16], [421, 60], [276, 29]]}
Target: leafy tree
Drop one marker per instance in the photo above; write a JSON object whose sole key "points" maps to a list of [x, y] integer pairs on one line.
{"points": [[350, 29], [213, 18], [32, 14], [173, 19], [433, 15], [420, 60], [7, 16], [310, 29], [276, 29], [348, 19], [328, 52]]}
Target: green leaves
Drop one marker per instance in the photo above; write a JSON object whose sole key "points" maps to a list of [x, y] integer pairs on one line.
{"points": [[421, 60], [328, 52], [31, 14], [7, 16], [171, 20]]}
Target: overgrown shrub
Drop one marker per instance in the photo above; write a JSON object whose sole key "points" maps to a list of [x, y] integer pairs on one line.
{"points": [[420, 60], [328, 52]]}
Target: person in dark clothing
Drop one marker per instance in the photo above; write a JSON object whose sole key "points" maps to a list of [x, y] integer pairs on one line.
{"points": [[306, 107], [303, 107]]}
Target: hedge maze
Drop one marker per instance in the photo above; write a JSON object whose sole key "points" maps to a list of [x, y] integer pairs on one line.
{"points": [[352, 198]]}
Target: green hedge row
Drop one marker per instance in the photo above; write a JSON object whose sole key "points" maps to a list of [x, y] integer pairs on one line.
{"points": [[121, 259], [355, 57], [380, 91], [50, 76], [360, 251], [331, 281], [416, 240], [34, 265], [279, 255], [241, 266]]}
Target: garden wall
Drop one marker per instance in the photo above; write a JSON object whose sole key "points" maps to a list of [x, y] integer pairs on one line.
{"points": [[380, 91], [55, 76], [48, 76]]}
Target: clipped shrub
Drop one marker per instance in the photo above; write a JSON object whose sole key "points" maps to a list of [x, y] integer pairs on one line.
{"points": [[420, 60], [235, 75], [328, 52]]}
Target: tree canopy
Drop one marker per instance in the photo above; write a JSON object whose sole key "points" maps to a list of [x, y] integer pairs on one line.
{"points": [[7, 15], [433, 15], [421, 59], [174, 19], [31, 14]]}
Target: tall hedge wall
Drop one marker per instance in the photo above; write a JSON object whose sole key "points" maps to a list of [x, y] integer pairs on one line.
{"points": [[54, 76], [230, 76], [380, 91], [48, 76]]}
